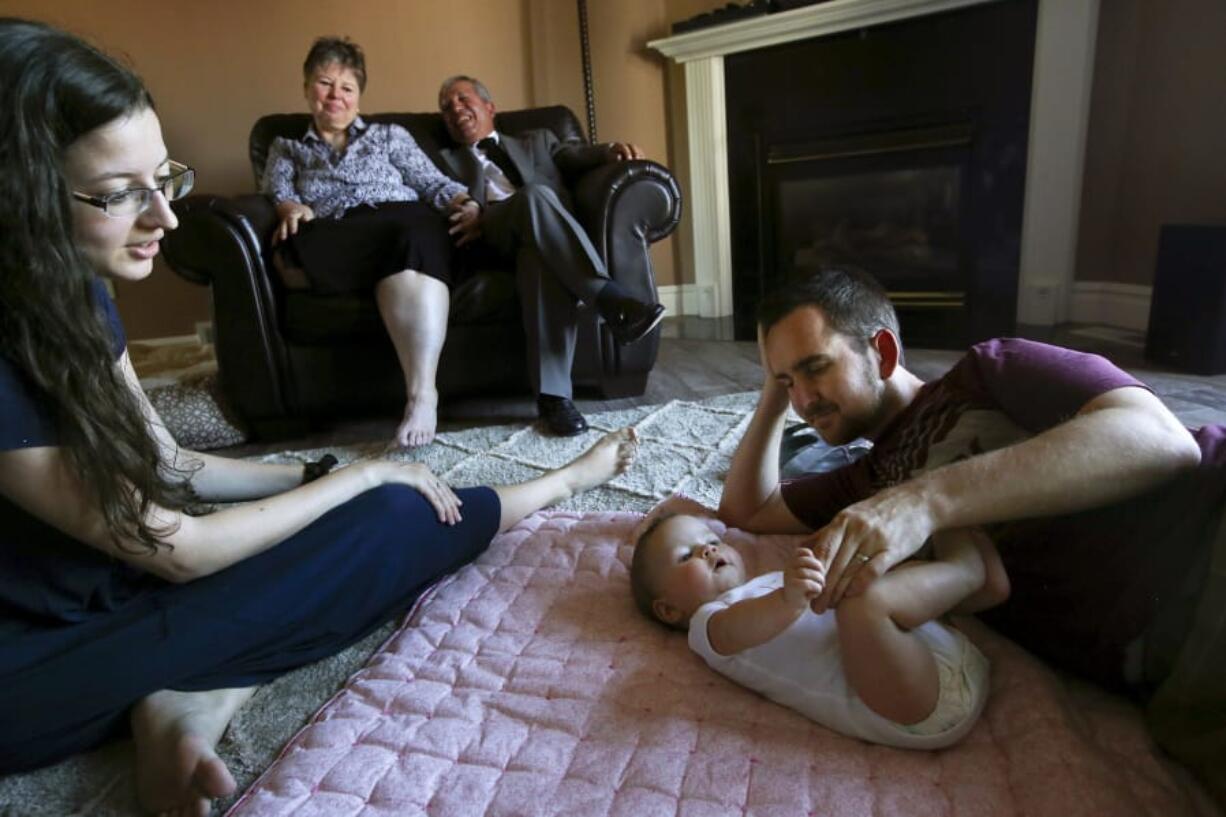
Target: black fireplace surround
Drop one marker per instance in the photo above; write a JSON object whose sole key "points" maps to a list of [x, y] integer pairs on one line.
{"points": [[899, 148]]}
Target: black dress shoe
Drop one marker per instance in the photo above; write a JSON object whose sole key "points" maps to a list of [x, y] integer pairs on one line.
{"points": [[560, 416], [629, 320]]}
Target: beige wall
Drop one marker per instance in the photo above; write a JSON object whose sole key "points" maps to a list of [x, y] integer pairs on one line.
{"points": [[1154, 155], [628, 79], [214, 68], [1154, 150], [640, 94]]}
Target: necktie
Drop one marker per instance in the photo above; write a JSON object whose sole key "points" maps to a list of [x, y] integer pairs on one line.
{"points": [[495, 153]]}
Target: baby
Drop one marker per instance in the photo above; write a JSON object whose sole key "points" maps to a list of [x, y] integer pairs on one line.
{"points": [[878, 667]]}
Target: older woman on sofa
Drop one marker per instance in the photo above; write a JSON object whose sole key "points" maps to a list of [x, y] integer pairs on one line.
{"points": [[359, 206]]}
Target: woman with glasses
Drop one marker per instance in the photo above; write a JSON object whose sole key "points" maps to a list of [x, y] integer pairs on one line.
{"points": [[119, 612], [359, 206]]}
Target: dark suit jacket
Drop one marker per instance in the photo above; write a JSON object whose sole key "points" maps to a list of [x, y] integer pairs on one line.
{"points": [[539, 157]]}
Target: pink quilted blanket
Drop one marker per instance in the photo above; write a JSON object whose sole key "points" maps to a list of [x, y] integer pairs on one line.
{"points": [[527, 684]]}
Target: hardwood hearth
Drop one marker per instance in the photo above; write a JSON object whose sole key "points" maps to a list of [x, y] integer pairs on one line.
{"points": [[900, 148]]}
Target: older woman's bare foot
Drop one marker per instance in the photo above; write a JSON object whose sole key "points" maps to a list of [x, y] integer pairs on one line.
{"points": [[419, 422], [612, 454], [178, 771]]}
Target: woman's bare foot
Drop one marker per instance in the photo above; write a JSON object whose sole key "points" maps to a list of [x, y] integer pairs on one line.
{"points": [[612, 454], [178, 771], [420, 420]]}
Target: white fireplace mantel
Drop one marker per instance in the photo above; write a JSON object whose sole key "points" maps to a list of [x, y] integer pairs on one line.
{"points": [[1060, 96]]}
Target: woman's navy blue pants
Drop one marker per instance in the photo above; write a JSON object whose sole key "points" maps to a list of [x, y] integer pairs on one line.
{"points": [[307, 598]]}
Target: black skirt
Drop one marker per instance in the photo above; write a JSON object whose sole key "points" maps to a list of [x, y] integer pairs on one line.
{"points": [[370, 242]]}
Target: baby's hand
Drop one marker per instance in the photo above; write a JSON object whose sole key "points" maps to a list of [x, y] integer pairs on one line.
{"points": [[804, 579]]}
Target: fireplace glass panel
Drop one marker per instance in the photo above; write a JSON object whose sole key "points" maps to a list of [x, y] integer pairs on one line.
{"points": [[902, 225], [901, 147]]}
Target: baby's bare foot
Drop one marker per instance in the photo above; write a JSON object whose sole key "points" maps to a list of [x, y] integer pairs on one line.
{"points": [[612, 454], [420, 420], [178, 771]]}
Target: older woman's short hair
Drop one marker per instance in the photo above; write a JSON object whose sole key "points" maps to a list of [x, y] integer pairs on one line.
{"points": [[341, 50]]}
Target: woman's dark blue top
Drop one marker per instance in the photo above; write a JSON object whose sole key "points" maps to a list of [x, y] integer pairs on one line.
{"points": [[45, 575]]}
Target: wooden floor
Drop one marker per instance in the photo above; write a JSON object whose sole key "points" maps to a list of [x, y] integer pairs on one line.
{"points": [[696, 362]]}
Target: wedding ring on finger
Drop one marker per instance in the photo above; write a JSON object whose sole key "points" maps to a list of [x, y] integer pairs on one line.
{"points": [[863, 559]]}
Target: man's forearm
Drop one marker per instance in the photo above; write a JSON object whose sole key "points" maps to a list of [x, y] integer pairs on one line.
{"points": [[577, 157], [1122, 443], [1092, 460], [753, 475]]}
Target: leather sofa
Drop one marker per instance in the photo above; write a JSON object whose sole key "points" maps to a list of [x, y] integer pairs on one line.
{"points": [[288, 357]]}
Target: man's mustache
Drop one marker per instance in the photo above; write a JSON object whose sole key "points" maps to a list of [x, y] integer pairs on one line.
{"points": [[816, 410]]}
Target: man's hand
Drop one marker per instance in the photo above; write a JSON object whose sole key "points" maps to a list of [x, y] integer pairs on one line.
{"points": [[866, 539], [290, 213], [804, 579], [772, 390], [465, 222], [751, 499], [624, 152]]}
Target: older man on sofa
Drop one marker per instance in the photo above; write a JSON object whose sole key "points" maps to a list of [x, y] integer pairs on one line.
{"points": [[524, 216]]}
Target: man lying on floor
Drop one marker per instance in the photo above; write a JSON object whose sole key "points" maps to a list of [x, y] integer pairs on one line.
{"points": [[1106, 510]]}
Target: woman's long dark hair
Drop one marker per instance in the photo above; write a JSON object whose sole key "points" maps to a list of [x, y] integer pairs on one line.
{"points": [[54, 89]]}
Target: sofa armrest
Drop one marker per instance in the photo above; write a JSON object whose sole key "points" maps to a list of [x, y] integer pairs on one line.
{"points": [[642, 189], [244, 222], [221, 242], [626, 206]]}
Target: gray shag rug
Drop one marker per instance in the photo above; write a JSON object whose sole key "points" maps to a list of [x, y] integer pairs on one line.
{"points": [[684, 448]]}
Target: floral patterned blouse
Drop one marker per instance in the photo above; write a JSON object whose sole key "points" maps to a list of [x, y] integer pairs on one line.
{"points": [[381, 163]]}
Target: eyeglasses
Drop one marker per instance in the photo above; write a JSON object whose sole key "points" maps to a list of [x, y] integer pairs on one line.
{"points": [[136, 200]]}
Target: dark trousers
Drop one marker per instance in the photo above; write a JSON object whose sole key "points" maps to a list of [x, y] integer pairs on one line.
{"points": [[304, 599], [556, 268], [1187, 714]]}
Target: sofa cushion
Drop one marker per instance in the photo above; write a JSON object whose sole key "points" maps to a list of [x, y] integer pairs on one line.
{"points": [[196, 413]]}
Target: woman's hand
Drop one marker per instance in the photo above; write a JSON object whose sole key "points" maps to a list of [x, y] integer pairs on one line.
{"points": [[290, 213], [437, 492]]}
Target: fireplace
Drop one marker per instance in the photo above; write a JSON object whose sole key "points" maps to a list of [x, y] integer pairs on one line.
{"points": [[900, 149], [890, 203]]}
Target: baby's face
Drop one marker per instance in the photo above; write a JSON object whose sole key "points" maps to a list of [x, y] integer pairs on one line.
{"points": [[689, 566]]}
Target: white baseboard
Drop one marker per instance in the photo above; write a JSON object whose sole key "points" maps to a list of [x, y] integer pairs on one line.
{"points": [[688, 299], [1099, 302], [204, 334], [168, 340], [1105, 302]]}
